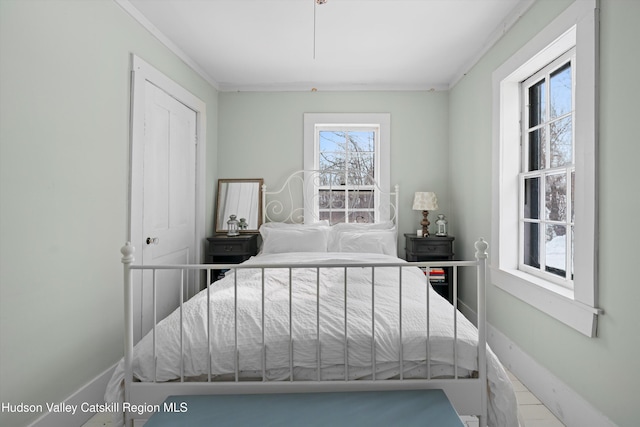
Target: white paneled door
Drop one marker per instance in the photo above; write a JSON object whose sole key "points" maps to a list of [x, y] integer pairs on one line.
{"points": [[167, 191], [169, 181]]}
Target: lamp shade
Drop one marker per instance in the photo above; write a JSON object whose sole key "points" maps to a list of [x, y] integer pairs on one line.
{"points": [[425, 201]]}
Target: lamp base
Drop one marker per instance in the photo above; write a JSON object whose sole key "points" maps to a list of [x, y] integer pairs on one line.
{"points": [[425, 224]]}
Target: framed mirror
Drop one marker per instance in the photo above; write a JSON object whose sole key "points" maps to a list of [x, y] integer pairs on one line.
{"points": [[242, 198]]}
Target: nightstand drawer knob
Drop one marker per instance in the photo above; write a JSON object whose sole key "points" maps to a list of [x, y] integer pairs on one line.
{"points": [[152, 240]]}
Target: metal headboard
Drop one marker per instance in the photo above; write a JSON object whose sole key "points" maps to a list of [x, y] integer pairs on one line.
{"points": [[301, 194]]}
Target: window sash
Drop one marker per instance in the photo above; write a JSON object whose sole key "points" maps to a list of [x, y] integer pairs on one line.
{"points": [[345, 207], [347, 212], [543, 222], [546, 121], [537, 118]]}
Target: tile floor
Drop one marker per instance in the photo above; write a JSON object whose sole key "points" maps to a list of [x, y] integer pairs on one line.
{"points": [[532, 412]]}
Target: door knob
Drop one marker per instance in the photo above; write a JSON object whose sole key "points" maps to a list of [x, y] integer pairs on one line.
{"points": [[153, 240]]}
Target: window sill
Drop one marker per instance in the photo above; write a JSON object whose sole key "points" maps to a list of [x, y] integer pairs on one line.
{"points": [[552, 299]]}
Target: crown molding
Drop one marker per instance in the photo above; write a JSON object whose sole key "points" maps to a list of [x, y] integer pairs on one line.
{"points": [[142, 20]]}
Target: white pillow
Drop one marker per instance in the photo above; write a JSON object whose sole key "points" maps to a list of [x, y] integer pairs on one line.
{"points": [[378, 242], [282, 240], [266, 228]]}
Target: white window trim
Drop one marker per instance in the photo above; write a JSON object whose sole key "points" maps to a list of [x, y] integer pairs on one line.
{"points": [[577, 25], [383, 164]]}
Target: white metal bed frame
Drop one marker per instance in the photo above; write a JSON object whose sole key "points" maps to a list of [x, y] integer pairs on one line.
{"points": [[468, 395], [307, 183]]}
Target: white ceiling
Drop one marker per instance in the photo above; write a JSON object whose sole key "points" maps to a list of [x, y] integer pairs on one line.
{"points": [[359, 44]]}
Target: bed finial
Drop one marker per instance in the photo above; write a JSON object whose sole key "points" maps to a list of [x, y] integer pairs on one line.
{"points": [[127, 253], [481, 249]]}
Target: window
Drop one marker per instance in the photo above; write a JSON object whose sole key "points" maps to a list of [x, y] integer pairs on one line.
{"points": [[352, 151], [347, 157], [544, 226], [548, 172]]}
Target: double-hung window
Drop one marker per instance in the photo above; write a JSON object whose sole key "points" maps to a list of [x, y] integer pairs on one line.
{"points": [[544, 198], [347, 158], [350, 153], [547, 172]]}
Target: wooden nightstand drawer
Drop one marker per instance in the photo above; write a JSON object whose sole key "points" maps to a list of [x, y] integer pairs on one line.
{"points": [[430, 247], [229, 246]]}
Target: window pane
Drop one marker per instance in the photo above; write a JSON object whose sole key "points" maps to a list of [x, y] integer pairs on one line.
{"points": [[560, 91], [332, 141], [561, 142], [362, 141], [333, 217], [532, 198], [531, 245], [556, 197], [556, 249], [362, 216], [360, 170], [536, 149], [329, 178], [360, 199], [537, 103], [333, 161], [331, 199]]}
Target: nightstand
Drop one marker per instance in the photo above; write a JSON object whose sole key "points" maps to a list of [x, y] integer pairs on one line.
{"points": [[223, 249], [433, 248]]}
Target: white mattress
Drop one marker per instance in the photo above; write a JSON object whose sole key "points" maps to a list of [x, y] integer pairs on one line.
{"points": [[502, 402]]}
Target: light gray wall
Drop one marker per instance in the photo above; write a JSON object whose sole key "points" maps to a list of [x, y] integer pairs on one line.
{"points": [[604, 369], [260, 136], [64, 160]]}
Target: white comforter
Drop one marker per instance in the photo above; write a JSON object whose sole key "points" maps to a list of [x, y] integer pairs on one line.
{"points": [[502, 402]]}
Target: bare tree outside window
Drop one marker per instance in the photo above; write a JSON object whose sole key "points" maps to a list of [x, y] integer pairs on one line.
{"points": [[347, 159]]}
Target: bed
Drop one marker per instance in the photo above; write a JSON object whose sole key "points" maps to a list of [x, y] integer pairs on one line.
{"points": [[321, 308]]}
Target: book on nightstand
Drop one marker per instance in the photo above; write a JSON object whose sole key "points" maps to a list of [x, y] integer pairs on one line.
{"points": [[436, 274]]}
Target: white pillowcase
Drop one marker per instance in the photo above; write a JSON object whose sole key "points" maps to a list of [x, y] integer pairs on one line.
{"points": [[378, 238], [280, 237], [375, 241], [282, 240]]}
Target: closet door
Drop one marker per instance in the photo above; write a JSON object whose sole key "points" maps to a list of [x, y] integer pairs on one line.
{"points": [[169, 199], [167, 190]]}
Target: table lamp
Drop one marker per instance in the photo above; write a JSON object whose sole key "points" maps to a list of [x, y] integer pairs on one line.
{"points": [[425, 201]]}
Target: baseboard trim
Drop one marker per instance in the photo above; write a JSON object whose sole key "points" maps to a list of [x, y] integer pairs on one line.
{"points": [[91, 393], [565, 403], [468, 312]]}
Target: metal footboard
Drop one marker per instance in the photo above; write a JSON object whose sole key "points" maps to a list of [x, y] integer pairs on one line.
{"points": [[469, 396]]}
